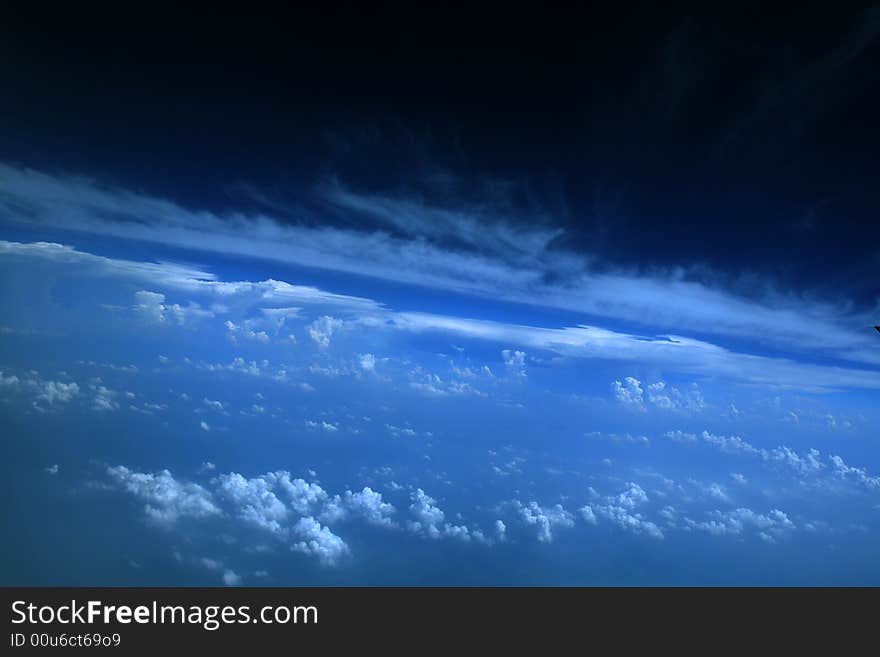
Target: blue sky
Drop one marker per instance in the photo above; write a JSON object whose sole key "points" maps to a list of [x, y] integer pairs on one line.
{"points": [[237, 419], [589, 310]]}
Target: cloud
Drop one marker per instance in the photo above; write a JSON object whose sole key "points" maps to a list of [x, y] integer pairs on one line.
{"points": [[104, 399], [213, 404], [235, 331], [629, 393], [319, 541], [458, 250], [860, 475], [728, 444], [428, 515], [808, 464], [769, 527], [167, 500], [323, 328], [152, 306], [254, 501], [619, 510], [515, 362], [544, 518], [369, 504], [290, 509], [673, 352], [329, 427], [587, 514]]}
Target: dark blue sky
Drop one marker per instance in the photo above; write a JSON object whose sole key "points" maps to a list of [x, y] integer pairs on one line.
{"points": [[740, 139], [401, 298]]}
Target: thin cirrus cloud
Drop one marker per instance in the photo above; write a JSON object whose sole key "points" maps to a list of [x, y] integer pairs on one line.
{"points": [[412, 242], [674, 353]]}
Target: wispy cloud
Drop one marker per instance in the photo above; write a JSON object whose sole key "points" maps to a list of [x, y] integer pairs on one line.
{"points": [[671, 352], [412, 242]]}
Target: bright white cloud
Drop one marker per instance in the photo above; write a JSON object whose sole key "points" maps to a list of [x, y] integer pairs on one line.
{"points": [[167, 499], [544, 518]]}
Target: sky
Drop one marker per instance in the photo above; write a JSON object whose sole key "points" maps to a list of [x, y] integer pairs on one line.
{"points": [[581, 299]]}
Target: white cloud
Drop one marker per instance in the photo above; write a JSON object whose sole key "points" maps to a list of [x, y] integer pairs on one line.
{"points": [[323, 328], [234, 331], [619, 509], [674, 352], [104, 399], [370, 505], [367, 362], [515, 362], [629, 393], [428, 515], [254, 500], [329, 427], [317, 540], [408, 244], [587, 514], [53, 392], [152, 306], [167, 500], [841, 469], [809, 464], [545, 518], [213, 404], [773, 525]]}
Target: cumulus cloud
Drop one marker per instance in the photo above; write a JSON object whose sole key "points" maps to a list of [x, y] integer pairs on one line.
{"points": [[369, 504], [427, 515], [728, 444], [152, 306], [629, 392], [329, 427], [769, 527], [236, 331], [515, 362], [367, 362], [587, 514], [808, 464], [167, 499], [620, 510], [295, 511], [317, 540], [544, 518], [55, 392], [254, 501], [632, 393], [860, 475], [323, 328], [213, 404], [104, 399]]}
